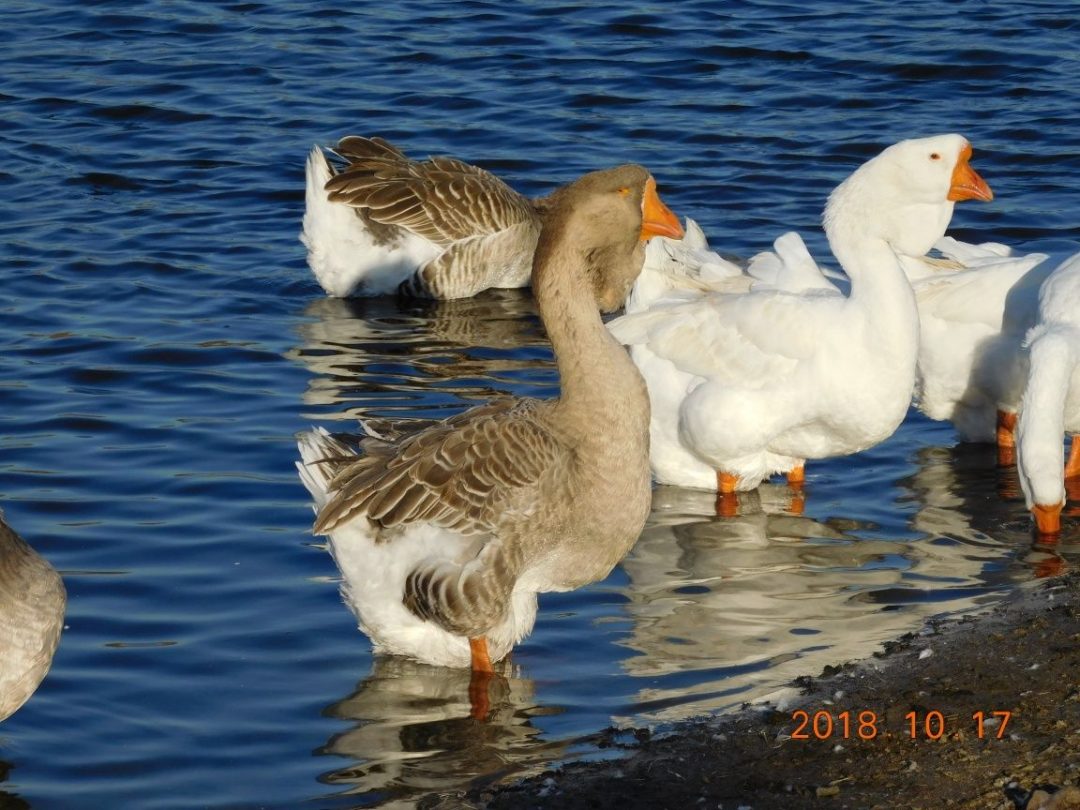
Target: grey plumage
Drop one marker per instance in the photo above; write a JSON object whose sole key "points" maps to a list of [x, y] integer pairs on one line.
{"points": [[487, 231], [549, 494], [32, 600]]}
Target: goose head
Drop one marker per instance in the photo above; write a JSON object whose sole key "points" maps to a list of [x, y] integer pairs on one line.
{"points": [[605, 218], [905, 195]]}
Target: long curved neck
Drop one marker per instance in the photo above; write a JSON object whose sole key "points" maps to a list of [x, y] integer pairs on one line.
{"points": [[1042, 415], [597, 376], [879, 287]]}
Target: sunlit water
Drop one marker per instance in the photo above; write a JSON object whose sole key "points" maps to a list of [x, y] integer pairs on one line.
{"points": [[163, 341]]}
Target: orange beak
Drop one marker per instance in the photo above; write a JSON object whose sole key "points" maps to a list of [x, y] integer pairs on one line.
{"points": [[656, 218], [1047, 519], [966, 183]]}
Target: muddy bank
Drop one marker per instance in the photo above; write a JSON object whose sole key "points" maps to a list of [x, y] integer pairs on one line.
{"points": [[970, 713]]}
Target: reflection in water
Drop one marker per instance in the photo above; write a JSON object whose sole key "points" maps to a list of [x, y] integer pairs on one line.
{"points": [[726, 610], [414, 735], [423, 357], [32, 600], [963, 496], [706, 612]]}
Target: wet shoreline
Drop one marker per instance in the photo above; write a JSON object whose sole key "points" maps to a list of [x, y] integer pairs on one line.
{"points": [[965, 713]]}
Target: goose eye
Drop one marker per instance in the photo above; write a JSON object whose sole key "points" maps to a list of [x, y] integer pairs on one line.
{"points": [[935, 156], [624, 191]]}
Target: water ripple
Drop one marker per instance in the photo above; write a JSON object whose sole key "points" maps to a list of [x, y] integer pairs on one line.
{"points": [[162, 341]]}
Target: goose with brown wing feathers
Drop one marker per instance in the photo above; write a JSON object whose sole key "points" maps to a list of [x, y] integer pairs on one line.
{"points": [[444, 538], [436, 228]]}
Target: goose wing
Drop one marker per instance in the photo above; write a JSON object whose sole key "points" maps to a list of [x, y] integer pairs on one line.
{"points": [[461, 474], [739, 339], [441, 199]]}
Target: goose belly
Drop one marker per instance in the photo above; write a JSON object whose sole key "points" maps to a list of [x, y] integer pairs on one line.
{"points": [[809, 416], [373, 586], [670, 459], [964, 371], [348, 261]]}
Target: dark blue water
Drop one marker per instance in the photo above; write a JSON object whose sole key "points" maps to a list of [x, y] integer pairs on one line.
{"points": [[162, 341]]}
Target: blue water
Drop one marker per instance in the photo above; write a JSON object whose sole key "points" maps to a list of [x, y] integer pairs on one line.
{"points": [[162, 341]]}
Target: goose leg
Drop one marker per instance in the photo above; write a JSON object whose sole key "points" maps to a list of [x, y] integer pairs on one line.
{"points": [[1072, 466], [1072, 470], [482, 673], [796, 476], [727, 502], [1006, 440]]}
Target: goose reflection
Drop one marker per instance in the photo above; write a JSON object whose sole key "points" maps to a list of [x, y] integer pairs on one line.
{"points": [[729, 610], [962, 499], [423, 354], [414, 735], [32, 600]]}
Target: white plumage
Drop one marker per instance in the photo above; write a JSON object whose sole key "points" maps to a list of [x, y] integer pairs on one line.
{"points": [[1051, 400], [747, 384]]}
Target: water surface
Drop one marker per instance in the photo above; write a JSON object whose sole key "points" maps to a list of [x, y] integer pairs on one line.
{"points": [[162, 342]]}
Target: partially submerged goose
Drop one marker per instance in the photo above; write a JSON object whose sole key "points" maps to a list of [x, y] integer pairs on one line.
{"points": [[32, 600], [445, 537], [437, 228], [1051, 400], [744, 385]]}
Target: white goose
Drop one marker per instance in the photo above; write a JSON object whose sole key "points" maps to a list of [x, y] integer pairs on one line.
{"points": [[445, 537], [975, 305], [1051, 400], [746, 385]]}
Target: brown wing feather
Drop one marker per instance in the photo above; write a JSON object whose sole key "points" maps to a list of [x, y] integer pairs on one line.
{"points": [[441, 199], [356, 147], [458, 474]]}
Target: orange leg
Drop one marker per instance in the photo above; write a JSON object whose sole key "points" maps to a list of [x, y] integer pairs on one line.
{"points": [[796, 477], [482, 673], [1047, 520], [1006, 440], [727, 502], [726, 482], [1072, 466], [798, 502]]}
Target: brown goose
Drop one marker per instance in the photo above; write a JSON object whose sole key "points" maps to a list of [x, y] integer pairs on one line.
{"points": [[32, 600], [437, 228], [444, 538]]}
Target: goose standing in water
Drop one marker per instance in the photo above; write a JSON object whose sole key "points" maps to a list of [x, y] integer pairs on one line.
{"points": [[444, 538], [976, 303], [437, 228], [751, 384], [1051, 400], [32, 600]]}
